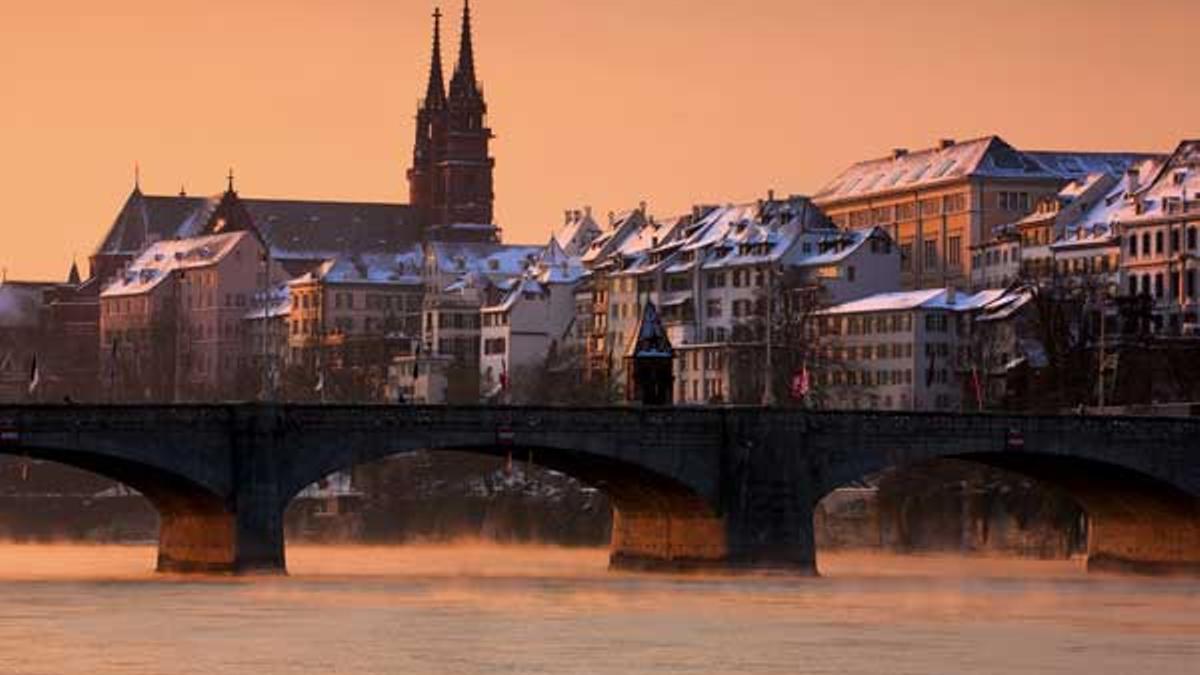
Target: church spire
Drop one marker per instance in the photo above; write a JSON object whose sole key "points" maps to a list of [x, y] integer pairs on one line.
{"points": [[435, 95], [463, 85]]}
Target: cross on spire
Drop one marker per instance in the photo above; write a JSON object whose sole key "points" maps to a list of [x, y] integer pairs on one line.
{"points": [[435, 94], [230, 178]]}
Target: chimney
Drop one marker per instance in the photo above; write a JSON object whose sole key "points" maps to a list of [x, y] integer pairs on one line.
{"points": [[897, 153], [587, 210], [770, 195], [612, 219], [567, 217], [1132, 180], [642, 207], [945, 143]]}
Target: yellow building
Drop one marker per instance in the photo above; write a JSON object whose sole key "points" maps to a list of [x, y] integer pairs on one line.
{"points": [[940, 203]]}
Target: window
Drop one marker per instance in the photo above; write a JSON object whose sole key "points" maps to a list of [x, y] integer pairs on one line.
{"points": [[1191, 238], [1146, 243], [1158, 285], [954, 203], [906, 253], [929, 207], [713, 308], [906, 211], [953, 251], [1133, 249], [930, 254], [1158, 242]]}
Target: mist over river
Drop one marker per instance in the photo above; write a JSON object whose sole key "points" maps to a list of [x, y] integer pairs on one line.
{"points": [[483, 608]]}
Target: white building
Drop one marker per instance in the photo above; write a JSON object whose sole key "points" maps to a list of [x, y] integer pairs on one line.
{"points": [[899, 351], [535, 317]]}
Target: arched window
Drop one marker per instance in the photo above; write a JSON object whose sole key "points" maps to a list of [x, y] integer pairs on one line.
{"points": [[1133, 245]]}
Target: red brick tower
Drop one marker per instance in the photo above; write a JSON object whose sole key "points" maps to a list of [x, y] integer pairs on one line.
{"points": [[452, 170]]}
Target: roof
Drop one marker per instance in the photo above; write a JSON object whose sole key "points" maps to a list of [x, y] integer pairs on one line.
{"points": [[403, 268], [294, 228], [988, 157], [929, 299], [650, 338], [162, 258], [1167, 187], [279, 303], [495, 261]]}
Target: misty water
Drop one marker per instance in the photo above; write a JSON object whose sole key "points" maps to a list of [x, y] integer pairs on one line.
{"points": [[484, 608]]}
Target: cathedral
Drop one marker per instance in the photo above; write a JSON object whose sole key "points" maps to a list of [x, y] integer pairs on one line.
{"points": [[450, 192]]}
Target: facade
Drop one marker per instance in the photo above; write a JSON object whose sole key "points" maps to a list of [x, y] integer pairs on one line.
{"points": [[1159, 224], [941, 203], [532, 321], [709, 274], [172, 324], [905, 350]]}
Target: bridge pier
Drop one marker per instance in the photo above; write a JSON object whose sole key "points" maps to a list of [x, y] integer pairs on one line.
{"points": [[1151, 539], [217, 541]]}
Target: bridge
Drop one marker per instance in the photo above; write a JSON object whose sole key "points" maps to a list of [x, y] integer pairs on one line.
{"points": [[692, 488]]}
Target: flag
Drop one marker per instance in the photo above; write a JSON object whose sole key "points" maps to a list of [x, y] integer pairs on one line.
{"points": [[800, 383], [35, 375], [978, 387], [931, 374], [320, 382]]}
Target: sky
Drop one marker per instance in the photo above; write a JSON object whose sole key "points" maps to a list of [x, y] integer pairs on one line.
{"points": [[603, 103]]}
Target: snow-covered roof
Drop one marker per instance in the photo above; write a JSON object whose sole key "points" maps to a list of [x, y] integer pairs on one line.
{"points": [[494, 261], [162, 258], [278, 303], [1169, 188], [403, 268], [989, 157], [930, 299], [650, 339]]}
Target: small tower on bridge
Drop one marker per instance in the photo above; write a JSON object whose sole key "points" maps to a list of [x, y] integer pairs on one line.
{"points": [[649, 362]]}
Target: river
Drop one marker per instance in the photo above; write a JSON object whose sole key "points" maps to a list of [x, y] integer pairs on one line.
{"points": [[471, 608]]}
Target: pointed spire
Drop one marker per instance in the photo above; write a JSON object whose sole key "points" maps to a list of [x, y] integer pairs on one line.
{"points": [[137, 177], [435, 95], [463, 84], [73, 277], [230, 179]]}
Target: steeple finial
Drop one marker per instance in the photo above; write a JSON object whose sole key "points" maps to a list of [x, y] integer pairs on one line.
{"points": [[230, 179], [464, 84], [137, 177], [435, 94]]}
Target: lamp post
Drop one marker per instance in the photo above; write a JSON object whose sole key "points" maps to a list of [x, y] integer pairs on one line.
{"points": [[768, 399]]}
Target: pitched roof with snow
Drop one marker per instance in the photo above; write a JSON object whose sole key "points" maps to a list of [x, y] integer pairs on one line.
{"points": [[402, 268], [21, 302], [988, 157], [931, 299], [494, 261], [154, 265]]}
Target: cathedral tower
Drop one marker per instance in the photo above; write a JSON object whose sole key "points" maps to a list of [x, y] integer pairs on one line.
{"points": [[452, 171]]}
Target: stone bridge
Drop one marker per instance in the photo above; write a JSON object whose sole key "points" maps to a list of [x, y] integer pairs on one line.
{"points": [[710, 488]]}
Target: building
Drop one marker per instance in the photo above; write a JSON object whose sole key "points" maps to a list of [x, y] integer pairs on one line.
{"points": [[941, 203], [450, 184], [906, 350], [172, 323], [451, 175], [532, 322], [1158, 220]]}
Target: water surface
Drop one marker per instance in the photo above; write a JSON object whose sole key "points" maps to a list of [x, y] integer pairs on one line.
{"points": [[470, 608]]}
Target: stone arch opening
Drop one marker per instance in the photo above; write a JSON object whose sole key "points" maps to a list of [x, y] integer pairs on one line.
{"points": [[1134, 522], [658, 522], [195, 525]]}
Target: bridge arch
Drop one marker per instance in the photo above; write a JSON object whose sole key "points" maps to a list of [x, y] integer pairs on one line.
{"points": [[195, 521], [659, 521], [1135, 482]]}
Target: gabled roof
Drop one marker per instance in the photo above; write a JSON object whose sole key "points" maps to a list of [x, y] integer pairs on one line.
{"points": [[401, 268], [154, 265], [294, 228]]}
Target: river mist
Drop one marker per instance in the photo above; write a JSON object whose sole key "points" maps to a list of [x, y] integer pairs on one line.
{"points": [[475, 607]]}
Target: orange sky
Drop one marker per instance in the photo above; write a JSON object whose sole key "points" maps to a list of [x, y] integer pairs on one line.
{"points": [[601, 102]]}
